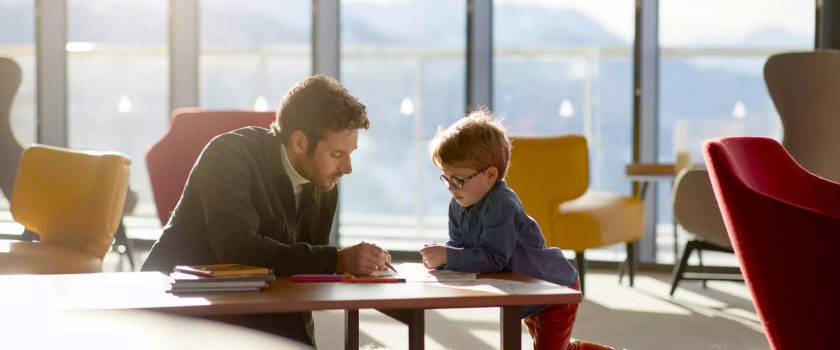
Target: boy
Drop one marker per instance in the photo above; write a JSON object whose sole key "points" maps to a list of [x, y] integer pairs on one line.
{"points": [[489, 230]]}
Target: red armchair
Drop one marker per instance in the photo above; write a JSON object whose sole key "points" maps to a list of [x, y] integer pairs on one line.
{"points": [[784, 224], [171, 158]]}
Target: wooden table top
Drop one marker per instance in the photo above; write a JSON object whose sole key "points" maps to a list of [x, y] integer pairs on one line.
{"points": [[650, 178], [147, 291]]}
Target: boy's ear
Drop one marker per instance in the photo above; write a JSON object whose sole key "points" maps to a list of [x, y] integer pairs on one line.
{"points": [[299, 142], [492, 174]]}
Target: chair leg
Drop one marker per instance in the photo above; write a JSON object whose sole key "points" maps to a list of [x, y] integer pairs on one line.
{"points": [[29, 236], [631, 261], [580, 261], [120, 238], [622, 267], [681, 266], [702, 268]]}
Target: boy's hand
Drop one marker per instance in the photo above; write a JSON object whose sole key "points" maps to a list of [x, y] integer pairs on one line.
{"points": [[433, 256]]}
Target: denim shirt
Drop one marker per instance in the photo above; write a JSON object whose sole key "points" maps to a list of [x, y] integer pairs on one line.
{"points": [[497, 235]]}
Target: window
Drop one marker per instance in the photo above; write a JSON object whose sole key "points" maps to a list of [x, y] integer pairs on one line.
{"points": [[118, 79], [252, 51], [567, 68], [712, 56], [405, 60], [17, 42]]}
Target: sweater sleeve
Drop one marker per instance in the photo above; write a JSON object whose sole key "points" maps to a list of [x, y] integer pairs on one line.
{"points": [[224, 177], [456, 234]]}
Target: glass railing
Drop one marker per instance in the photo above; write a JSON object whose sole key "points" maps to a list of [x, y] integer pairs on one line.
{"points": [[425, 218]]}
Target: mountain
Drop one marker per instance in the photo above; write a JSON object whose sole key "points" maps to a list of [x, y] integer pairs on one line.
{"points": [[521, 25], [404, 23], [777, 37], [18, 22]]}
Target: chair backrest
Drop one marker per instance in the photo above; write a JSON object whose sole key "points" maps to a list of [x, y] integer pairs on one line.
{"points": [[783, 223], [10, 150], [804, 87], [71, 198], [547, 171], [695, 207], [171, 158]]}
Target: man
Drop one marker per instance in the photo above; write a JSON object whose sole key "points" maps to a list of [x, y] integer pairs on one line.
{"points": [[268, 198]]}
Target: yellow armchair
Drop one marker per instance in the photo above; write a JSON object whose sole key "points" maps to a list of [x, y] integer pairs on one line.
{"points": [[551, 176], [73, 200]]}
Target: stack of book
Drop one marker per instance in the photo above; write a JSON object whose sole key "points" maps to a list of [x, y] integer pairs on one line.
{"points": [[219, 278]]}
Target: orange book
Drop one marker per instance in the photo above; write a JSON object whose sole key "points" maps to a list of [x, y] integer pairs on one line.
{"points": [[223, 270]]}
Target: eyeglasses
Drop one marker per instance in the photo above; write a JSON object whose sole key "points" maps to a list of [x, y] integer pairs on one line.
{"points": [[459, 183]]}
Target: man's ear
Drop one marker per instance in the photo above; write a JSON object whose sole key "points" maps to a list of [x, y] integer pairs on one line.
{"points": [[492, 174], [298, 142]]}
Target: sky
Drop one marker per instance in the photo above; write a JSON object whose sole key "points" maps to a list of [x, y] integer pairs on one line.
{"points": [[690, 22]]}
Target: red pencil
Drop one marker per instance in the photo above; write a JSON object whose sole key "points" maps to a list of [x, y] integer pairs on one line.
{"points": [[373, 280]]}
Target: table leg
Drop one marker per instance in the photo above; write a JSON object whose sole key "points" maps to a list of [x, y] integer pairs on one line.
{"points": [[643, 190], [632, 260], [351, 329], [676, 249], [674, 219], [416, 322], [511, 328]]}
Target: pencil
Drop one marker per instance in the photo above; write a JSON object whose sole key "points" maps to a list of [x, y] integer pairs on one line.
{"points": [[373, 280], [317, 278]]}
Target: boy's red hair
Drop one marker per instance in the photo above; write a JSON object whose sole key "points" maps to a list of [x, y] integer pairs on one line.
{"points": [[475, 141]]}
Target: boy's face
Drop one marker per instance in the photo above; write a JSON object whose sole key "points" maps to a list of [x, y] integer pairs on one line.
{"points": [[329, 161], [474, 188]]}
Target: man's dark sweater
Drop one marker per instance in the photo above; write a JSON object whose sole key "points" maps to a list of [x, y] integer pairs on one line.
{"points": [[238, 206]]}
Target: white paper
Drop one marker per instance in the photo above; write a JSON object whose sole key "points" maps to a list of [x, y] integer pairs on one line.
{"points": [[416, 272], [492, 285]]}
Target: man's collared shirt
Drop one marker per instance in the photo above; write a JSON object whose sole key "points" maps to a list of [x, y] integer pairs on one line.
{"points": [[297, 180]]}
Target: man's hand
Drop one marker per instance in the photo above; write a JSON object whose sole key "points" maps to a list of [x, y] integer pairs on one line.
{"points": [[433, 255], [362, 259]]}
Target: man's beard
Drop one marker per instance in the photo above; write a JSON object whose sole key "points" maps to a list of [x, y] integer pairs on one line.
{"points": [[308, 170]]}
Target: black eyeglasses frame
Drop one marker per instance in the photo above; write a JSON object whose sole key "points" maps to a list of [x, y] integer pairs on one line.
{"points": [[458, 182]]}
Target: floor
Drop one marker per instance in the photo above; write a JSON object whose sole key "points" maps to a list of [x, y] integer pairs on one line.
{"points": [[643, 317], [719, 317]]}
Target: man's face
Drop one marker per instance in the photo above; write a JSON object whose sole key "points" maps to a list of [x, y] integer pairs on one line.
{"points": [[330, 160]]}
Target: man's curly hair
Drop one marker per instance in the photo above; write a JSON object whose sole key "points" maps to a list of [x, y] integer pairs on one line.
{"points": [[317, 105]]}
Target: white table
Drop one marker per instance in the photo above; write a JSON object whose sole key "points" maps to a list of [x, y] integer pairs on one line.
{"points": [[403, 301]]}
